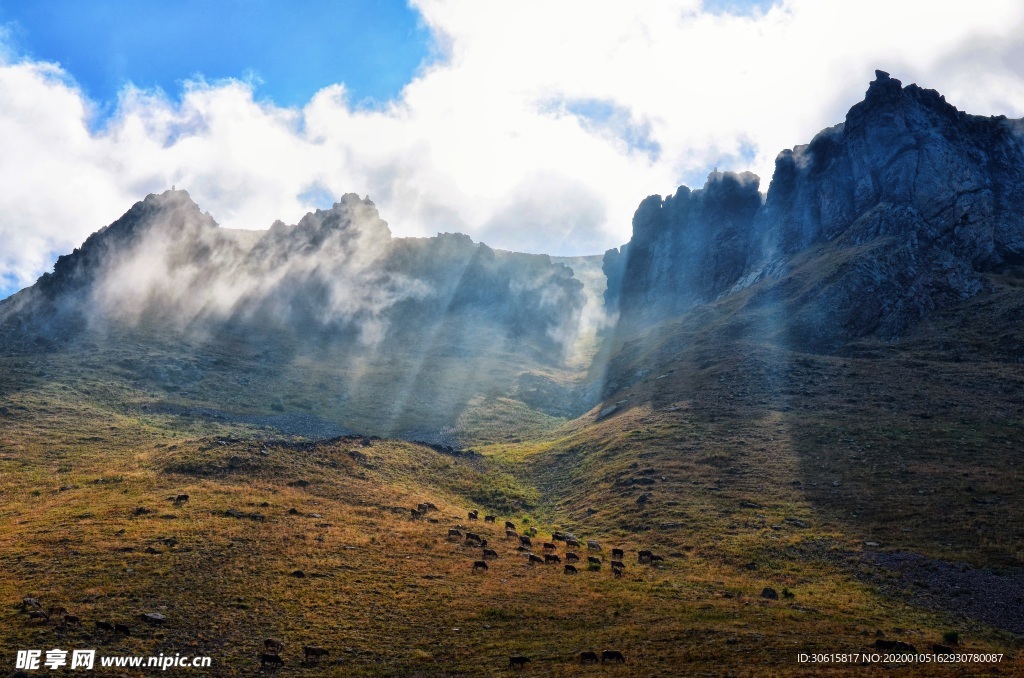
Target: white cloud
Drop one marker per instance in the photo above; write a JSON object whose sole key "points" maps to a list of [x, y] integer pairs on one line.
{"points": [[489, 140]]}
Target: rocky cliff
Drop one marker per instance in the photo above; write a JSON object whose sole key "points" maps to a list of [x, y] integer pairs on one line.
{"points": [[337, 275], [899, 210]]}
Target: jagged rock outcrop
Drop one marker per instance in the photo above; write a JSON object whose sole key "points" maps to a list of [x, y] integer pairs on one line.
{"points": [[337, 275], [686, 249], [875, 223]]}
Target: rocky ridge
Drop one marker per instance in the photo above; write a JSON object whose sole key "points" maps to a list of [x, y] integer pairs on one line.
{"points": [[899, 210]]}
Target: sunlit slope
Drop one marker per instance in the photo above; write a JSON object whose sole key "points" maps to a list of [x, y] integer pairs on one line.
{"points": [[87, 523]]}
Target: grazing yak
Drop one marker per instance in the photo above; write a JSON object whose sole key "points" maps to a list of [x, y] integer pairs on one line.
{"points": [[267, 658], [314, 653], [594, 560], [480, 565], [618, 554], [588, 657], [557, 536], [39, 615], [511, 534], [593, 545], [619, 564], [509, 525], [535, 559], [525, 541], [416, 514], [548, 546], [490, 553], [570, 569], [523, 549], [273, 645], [612, 656], [572, 541], [551, 558], [643, 556], [181, 499], [453, 532], [517, 662], [104, 626], [571, 557], [473, 515], [70, 620], [655, 559], [490, 519], [471, 537]]}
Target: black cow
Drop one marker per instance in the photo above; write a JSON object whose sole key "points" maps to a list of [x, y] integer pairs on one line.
{"points": [[314, 654], [551, 558], [480, 565], [570, 569], [273, 659], [588, 657], [612, 656], [517, 662]]}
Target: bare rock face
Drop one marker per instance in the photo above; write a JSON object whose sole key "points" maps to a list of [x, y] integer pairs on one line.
{"points": [[336, 276], [867, 229], [686, 249]]}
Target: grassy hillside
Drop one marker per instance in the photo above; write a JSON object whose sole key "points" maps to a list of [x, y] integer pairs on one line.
{"points": [[745, 467]]}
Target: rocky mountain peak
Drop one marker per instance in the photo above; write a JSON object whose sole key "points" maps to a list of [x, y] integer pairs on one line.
{"points": [[911, 199]]}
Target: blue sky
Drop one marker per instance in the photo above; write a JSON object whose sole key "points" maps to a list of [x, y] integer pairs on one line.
{"points": [[529, 125], [292, 49]]}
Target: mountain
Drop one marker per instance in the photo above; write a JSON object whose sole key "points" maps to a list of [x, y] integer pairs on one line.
{"points": [[397, 334], [900, 210]]}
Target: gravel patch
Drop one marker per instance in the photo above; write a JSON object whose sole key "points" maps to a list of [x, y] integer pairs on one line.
{"points": [[993, 597]]}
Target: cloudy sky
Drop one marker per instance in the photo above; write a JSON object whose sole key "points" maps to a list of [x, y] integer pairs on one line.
{"points": [[533, 126]]}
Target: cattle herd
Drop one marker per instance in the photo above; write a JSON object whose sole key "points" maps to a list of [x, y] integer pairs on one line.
{"points": [[525, 545], [33, 610]]}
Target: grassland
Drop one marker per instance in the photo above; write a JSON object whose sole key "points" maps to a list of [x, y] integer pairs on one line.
{"points": [[744, 464]]}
